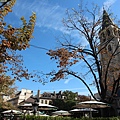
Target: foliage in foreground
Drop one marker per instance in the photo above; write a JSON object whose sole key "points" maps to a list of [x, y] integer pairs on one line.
{"points": [[28, 117], [69, 118], [14, 39], [7, 88]]}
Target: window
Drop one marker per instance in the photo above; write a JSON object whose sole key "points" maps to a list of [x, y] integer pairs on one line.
{"points": [[103, 37], [41, 101], [59, 96], [108, 32], [45, 101], [109, 48]]}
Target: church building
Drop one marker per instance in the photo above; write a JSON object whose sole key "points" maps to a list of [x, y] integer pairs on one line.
{"points": [[110, 50]]}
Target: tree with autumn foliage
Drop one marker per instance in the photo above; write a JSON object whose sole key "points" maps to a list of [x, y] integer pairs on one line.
{"points": [[88, 24], [7, 88], [14, 39]]}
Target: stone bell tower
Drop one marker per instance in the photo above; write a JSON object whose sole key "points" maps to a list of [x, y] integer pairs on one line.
{"points": [[109, 50]]}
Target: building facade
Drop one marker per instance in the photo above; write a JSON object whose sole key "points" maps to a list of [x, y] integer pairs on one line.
{"points": [[109, 51], [20, 96]]}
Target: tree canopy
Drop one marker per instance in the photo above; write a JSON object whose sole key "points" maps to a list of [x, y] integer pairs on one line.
{"points": [[69, 95], [70, 100], [14, 39], [88, 24]]}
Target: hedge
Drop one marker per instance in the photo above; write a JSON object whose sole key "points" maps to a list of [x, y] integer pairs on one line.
{"points": [[65, 118]]}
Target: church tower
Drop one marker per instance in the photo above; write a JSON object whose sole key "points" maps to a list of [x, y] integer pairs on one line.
{"points": [[109, 51]]}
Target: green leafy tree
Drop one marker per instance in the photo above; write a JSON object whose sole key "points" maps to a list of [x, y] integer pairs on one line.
{"points": [[69, 95], [62, 104], [59, 103], [68, 102]]}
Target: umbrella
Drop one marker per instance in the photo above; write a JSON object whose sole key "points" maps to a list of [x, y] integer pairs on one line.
{"points": [[75, 110], [41, 106], [83, 110], [44, 115], [61, 112], [94, 104], [26, 106], [46, 105], [11, 111]]}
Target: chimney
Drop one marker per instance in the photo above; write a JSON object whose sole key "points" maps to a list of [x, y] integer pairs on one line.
{"points": [[38, 94], [54, 94]]}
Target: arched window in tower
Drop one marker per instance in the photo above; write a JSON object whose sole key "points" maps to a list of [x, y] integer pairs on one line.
{"points": [[108, 32], [103, 37], [109, 48]]}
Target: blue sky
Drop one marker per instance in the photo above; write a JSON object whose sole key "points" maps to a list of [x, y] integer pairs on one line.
{"points": [[49, 26]]}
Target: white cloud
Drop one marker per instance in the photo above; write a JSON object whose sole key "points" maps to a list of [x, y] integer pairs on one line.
{"points": [[108, 3], [67, 80], [48, 15]]}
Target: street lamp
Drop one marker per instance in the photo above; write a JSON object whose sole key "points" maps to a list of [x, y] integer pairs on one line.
{"points": [[35, 107]]}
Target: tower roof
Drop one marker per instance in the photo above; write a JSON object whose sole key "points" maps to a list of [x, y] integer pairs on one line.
{"points": [[106, 21]]}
